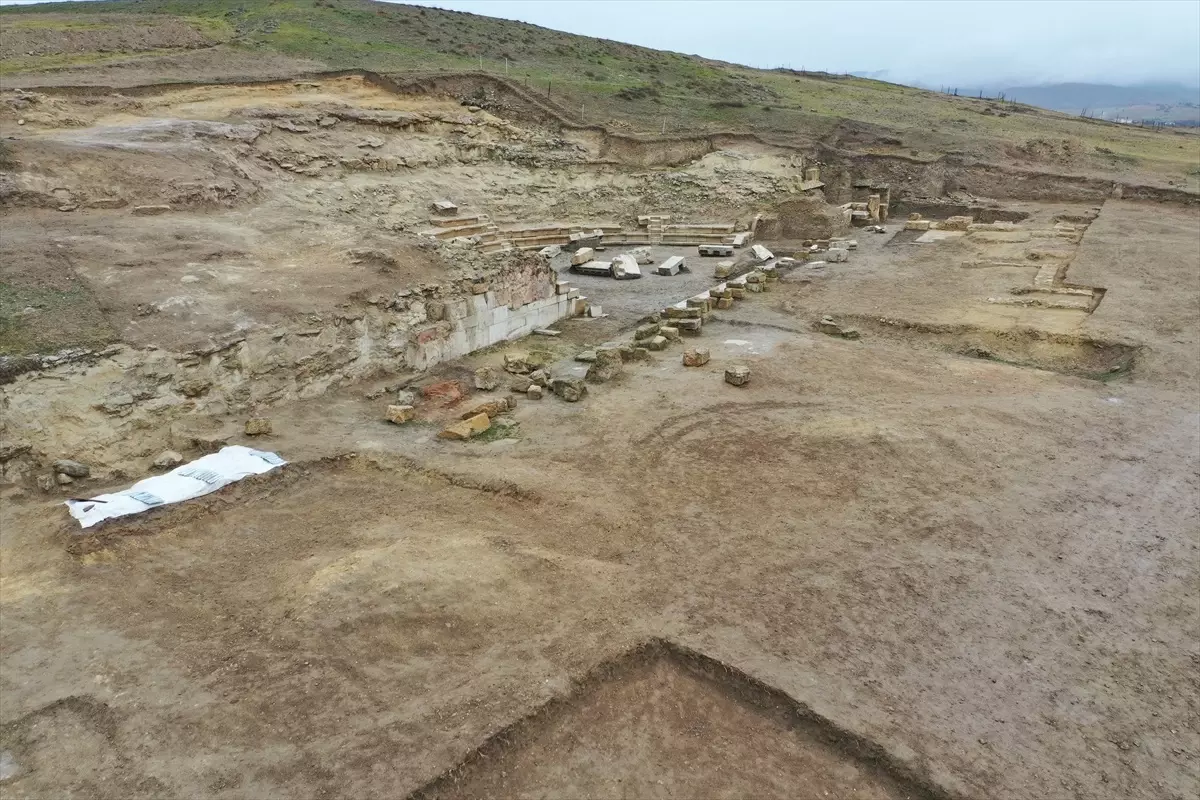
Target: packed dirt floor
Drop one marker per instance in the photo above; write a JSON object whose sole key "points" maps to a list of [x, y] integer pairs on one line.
{"points": [[955, 558]]}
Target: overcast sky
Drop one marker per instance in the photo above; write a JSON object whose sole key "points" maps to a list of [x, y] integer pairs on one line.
{"points": [[935, 42], [931, 41]]}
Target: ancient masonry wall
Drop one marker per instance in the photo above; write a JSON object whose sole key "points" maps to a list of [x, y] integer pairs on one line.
{"points": [[120, 406]]}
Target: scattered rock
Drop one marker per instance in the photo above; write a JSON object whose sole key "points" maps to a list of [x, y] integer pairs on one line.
{"points": [[696, 357], [647, 331], [398, 415], [448, 392], [167, 459], [517, 363], [586, 357], [641, 354], [655, 343], [491, 408], [150, 211], [534, 392], [404, 397], [608, 365], [63, 480], [468, 428], [550, 251], [540, 377], [46, 483], [487, 378], [522, 384], [569, 388], [836, 255], [65, 466], [641, 255], [738, 375], [828, 326], [258, 426]]}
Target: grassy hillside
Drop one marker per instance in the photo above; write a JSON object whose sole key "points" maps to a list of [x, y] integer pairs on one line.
{"points": [[638, 89]]}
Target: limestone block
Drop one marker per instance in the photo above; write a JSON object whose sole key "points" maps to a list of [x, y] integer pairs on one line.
{"points": [[582, 256], [487, 378], [761, 253], [569, 388], [725, 302], [65, 466], [647, 330], [696, 357], [398, 415], [258, 426], [837, 255], [738, 375], [689, 326], [491, 408], [641, 255], [671, 266], [655, 343], [468, 428], [671, 333], [167, 459], [534, 392]]}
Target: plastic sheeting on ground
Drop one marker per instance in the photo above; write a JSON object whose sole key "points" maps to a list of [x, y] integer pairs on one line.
{"points": [[195, 479]]}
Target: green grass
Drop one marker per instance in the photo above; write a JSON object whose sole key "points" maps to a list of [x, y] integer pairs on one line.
{"points": [[640, 89]]}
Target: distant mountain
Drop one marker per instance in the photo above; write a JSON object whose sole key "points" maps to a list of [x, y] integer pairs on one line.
{"points": [[1074, 97], [1172, 103]]}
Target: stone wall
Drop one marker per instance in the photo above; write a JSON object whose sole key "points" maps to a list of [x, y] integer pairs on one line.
{"points": [[119, 407]]}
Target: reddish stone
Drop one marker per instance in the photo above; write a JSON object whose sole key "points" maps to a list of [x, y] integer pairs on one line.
{"points": [[448, 392]]}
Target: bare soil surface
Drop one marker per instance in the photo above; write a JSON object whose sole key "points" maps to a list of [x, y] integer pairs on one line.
{"points": [[960, 540], [658, 727]]}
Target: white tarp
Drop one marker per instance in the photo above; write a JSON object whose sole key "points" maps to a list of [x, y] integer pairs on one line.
{"points": [[200, 477]]}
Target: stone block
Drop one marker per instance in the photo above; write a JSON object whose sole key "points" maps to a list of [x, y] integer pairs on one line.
{"points": [[646, 331], [491, 408], [761, 253], [150, 211], [534, 392], [655, 343], [724, 303], [445, 392], [258, 426], [570, 388], [671, 333], [738, 375], [65, 466], [723, 269], [487, 378], [625, 267], [671, 266], [737, 292], [641, 255], [696, 357], [582, 256], [517, 363], [837, 255], [690, 326], [468, 428], [398, 415], [167, 459]]}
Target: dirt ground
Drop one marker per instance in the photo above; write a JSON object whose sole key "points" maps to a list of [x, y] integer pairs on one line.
{"points": [[956, 557], [987, 571]]}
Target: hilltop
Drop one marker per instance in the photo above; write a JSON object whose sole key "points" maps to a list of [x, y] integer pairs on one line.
{"points": [[624, 87]]}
